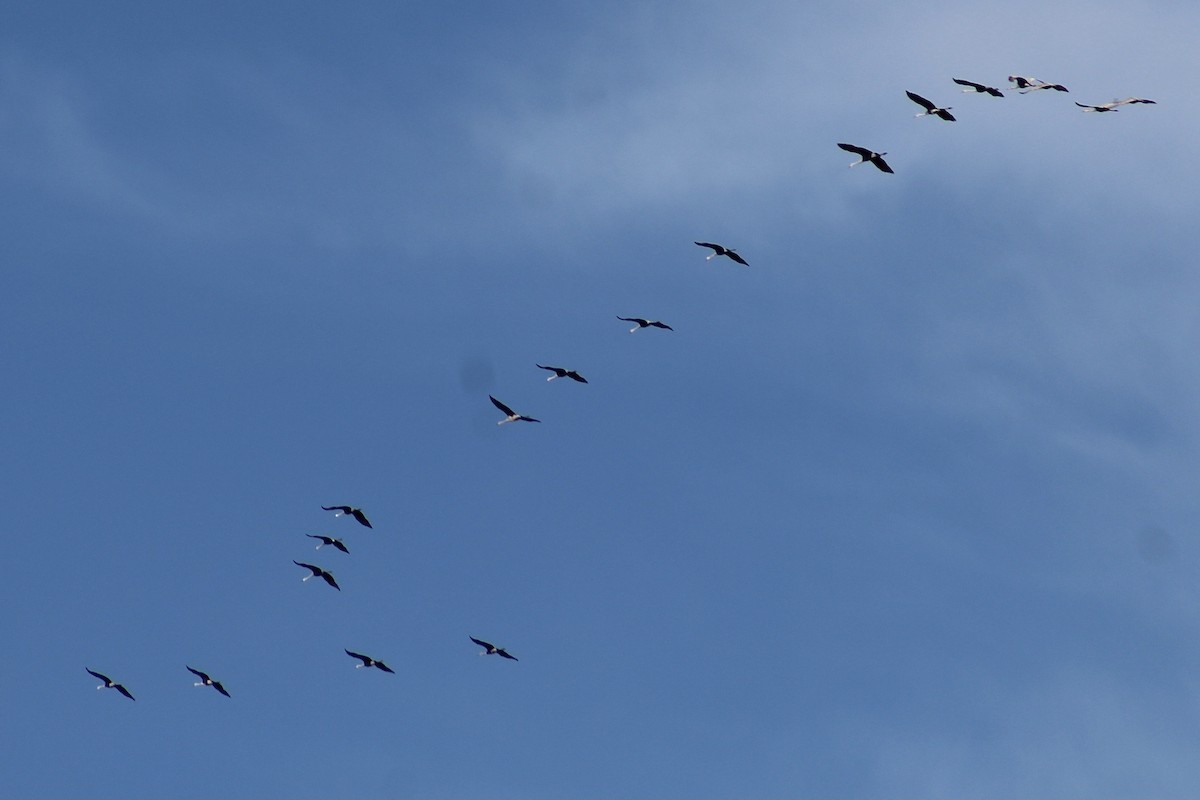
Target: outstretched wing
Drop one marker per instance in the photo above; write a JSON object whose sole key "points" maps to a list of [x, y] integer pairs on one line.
{"points": [[662, 325], [853, 148], [508, 411], [201, 675], [343, 509], [921, 101], [638, 320], [979, 87], [310, 567], [124, 691], [361, 517], [385, 667], [506, 654], [217, 685], [883, 165], [482, 643], [105, 678], [328, 576], [573, 375], [716, 248], [325, 539], [340, 545], [365, 659], [737, 258]]}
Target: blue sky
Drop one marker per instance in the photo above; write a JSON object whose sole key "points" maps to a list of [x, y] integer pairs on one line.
{"points": [[905, 508]]}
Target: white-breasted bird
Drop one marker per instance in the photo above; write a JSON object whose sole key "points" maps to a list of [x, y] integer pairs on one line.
{"points": [[509, 414], [109, 683], [338, 543], [645, 323], [367, 661], [867, 156], [561, 372], [207, 681], [349, 511], [722, 250], [317, 572], [930, 108], [490, 649]]}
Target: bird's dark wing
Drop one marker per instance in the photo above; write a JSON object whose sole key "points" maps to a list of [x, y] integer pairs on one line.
{"points": [[573, 375], [555, 370], [853, 148], [124, 691], [946, 115], [217, 685], [662, 325], [310, 567], [482, 643], [524, 418], [104, 678], [994, 92], [1058, 87], [325, 539], [883, 165], [979, 87], [1081, 105], [343, 509], [361, 517], [329, 579], [716, 248], [501, 406], [201, 675], [359, 656], [736, 258], [921, 101], [385, 667], [502, 652], [340, 546]]}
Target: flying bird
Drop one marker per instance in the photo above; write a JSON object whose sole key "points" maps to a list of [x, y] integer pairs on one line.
{"points": [[510, 415], [490, 649], [721, 250], [645, 323], [559, 372], [317, 572], [109, 683], [207, 681], [1112, 106], [1026, 85], [338, 543], [978, 87], [357, 513], [367, 661], [930, 108], [865, 155]]}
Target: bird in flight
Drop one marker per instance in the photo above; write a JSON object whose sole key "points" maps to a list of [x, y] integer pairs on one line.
{"points": [[490, 649], [109, 683], [317, 572], [207, 681], [1113, 106], [510, 415], [865, 155], [721, 250], [978, 87], [559, 372], [645, 323], [930, 108], [1026, 85], [338, 543], [357, 513], [367, 661]]}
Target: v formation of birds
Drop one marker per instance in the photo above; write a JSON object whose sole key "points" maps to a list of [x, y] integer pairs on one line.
{"points": [[1021, 84]]}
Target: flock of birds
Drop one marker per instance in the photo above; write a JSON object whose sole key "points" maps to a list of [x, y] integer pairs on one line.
{"points": [[320, 572], [1022, 84]]}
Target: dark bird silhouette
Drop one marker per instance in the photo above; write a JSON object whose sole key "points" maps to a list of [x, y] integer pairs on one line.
{"points": [[338, 543], [1026, 85], [207, 681], [367, 661], [559, 372], [357, 513], [510, 415], [317, 572], [645, 323], [930, 108], [978, 87], [490, 649], [865, 155], [721, 250], [109, 683]]}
